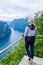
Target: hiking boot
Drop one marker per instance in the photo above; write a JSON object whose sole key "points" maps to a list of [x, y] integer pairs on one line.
{"points": [[31, 60]]}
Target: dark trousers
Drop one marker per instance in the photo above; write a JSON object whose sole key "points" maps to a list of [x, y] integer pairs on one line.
{"points": [[29, 46]]}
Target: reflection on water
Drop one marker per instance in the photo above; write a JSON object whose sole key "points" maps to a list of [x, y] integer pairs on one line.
{"points": [[4, 42]]}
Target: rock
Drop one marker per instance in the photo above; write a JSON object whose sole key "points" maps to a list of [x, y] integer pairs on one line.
{"points": [[36, 61]]}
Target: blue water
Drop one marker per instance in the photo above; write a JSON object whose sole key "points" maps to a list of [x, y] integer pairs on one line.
{"points": [[10, 39]]}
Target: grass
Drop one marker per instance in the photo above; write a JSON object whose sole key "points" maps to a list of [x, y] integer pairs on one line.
{"points": [[39, 48], [13, 58]]}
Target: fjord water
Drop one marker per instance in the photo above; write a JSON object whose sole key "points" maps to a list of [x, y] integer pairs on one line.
{"points": [[8, 40]]}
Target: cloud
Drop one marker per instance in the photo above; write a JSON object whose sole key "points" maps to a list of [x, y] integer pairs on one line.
{"points": [[10, 9]]}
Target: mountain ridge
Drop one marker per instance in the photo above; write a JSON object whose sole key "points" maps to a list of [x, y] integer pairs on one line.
{"points": [[19, 24], [4, 29]]}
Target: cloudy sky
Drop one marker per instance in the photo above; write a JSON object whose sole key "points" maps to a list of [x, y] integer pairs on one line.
{"points": [[10, 9]]}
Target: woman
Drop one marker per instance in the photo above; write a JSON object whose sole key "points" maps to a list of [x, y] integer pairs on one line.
{"points": [[30, 34]]}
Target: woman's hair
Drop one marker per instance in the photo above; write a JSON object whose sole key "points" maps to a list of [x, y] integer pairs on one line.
{"points": [[32, 26], [31, 20]]}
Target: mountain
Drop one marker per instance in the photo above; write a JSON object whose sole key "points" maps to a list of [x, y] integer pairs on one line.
{"points": [[4, 29], [19, 24]]}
